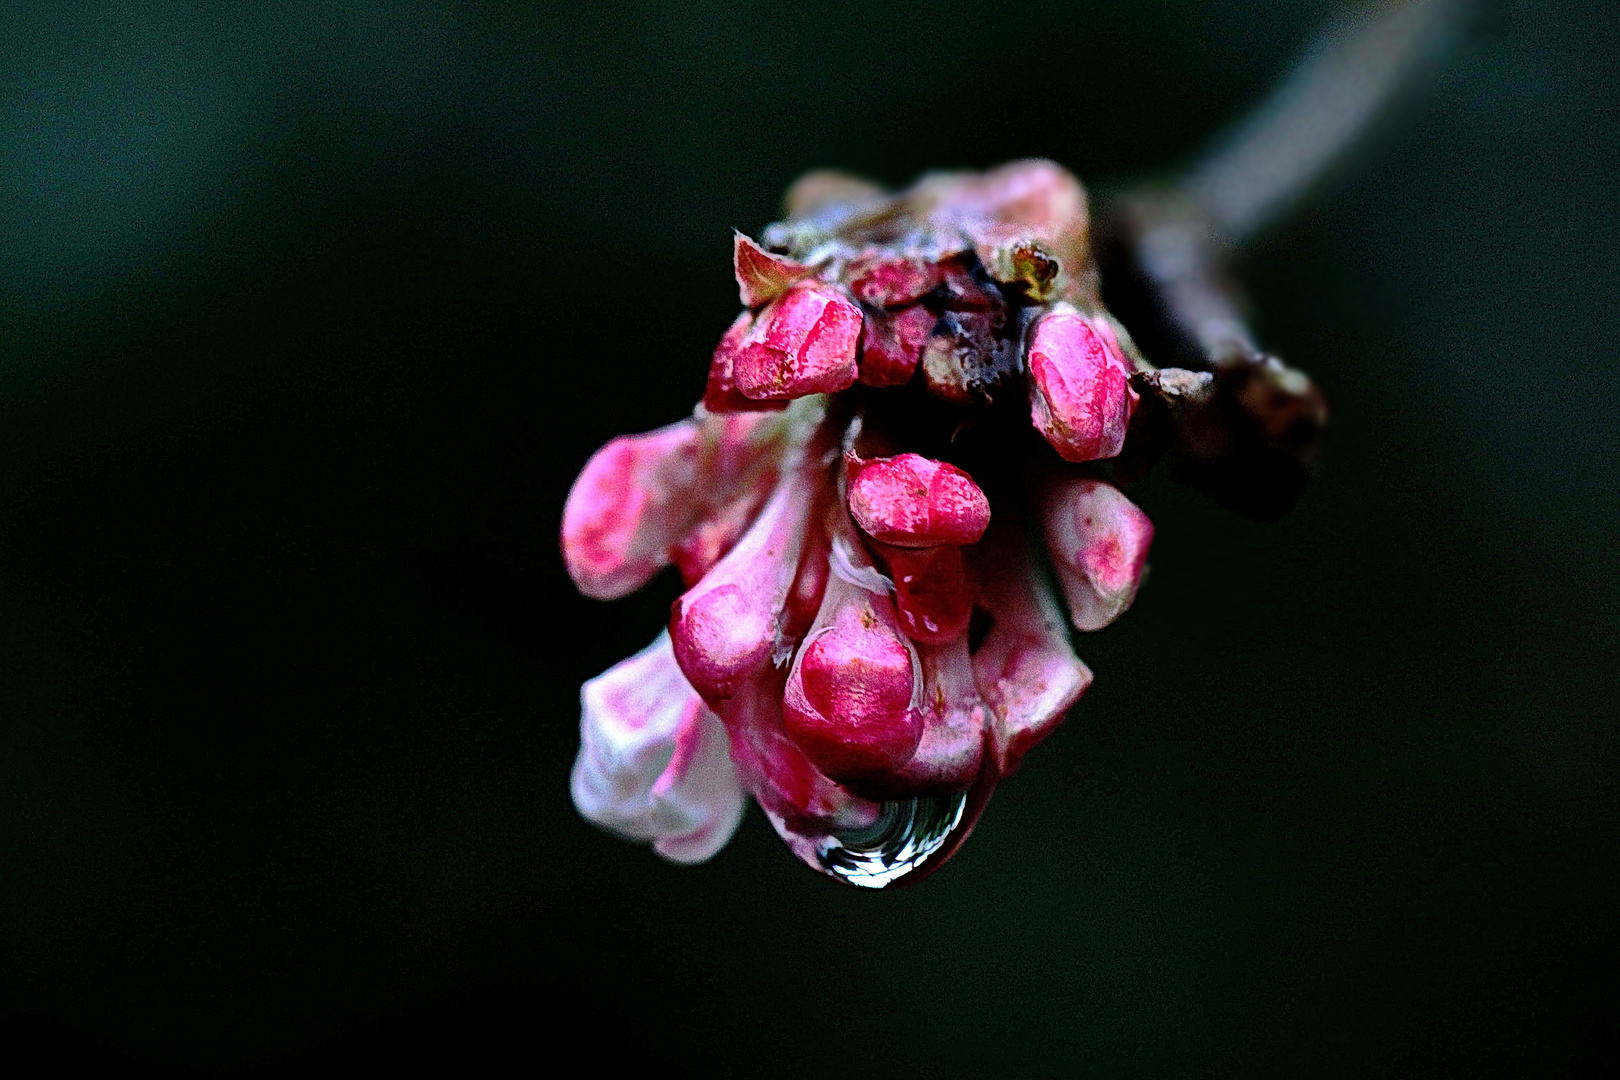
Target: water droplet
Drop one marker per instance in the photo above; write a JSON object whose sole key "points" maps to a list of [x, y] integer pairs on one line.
{"points": [[907, 836]]}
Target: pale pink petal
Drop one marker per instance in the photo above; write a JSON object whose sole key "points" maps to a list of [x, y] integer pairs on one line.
{"points": [[1098, 540], [654, 763]]}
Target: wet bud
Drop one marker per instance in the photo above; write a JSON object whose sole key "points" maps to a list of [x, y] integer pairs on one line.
{"points": [[628, 507], [889, 282], [1079, 385], [912, 501], [1025, 668], [761, 275], [804, 343], [932, 593], [654, 763], [1098, 540], [725, 626], [892, 346], [955, 722], [851, 702]]}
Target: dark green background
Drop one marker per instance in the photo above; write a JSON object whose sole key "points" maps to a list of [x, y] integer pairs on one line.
{"points": [[309, 314]]}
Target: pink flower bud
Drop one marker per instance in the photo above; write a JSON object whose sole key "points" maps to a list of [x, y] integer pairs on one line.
{"points": [[1025, 667], [654, 763], [851, 702], [628, 507], [725, 626], [1080, 394], [804, 343], [720, 394], [890, 282], [1098, 540], [955, 723], [893, 344], [912, 501], [931, 592], [762, 276]]}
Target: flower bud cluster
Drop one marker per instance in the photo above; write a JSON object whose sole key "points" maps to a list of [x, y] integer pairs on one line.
{"points": [[901, 445]]}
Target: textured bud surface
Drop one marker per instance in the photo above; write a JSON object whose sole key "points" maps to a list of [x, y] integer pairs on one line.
{"points": [[1098, 540], [892, 345], [886, 282], [720, 394], [803, 343], [1079, 386], [851, 699], [912, 501]]}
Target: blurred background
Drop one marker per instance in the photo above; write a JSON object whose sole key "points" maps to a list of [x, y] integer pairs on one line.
{"points": [[310, 313]]}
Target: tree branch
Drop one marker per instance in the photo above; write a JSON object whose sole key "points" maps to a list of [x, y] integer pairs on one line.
{"points": [[1250, 433]]}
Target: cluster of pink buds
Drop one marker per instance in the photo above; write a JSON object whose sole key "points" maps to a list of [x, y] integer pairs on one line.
{"points": [[898, 480]]}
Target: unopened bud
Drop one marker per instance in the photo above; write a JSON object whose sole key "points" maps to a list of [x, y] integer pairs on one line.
{"points": [[720, 393], [1098, 540], [851, 702], [890, 282], [725, 626], [912, 501], [955, 723], [1079, 385], [892, 346], [804, 343], [654, 763]]}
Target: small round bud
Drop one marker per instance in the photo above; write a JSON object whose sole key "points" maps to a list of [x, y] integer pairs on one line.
{"points": [[1080, 394], [912, 501]]}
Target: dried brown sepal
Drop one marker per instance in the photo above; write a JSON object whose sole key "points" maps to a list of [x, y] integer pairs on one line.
{"points": [[762, 275]]}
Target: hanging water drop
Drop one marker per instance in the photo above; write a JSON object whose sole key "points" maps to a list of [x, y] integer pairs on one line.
{"points": [[909, 839]]}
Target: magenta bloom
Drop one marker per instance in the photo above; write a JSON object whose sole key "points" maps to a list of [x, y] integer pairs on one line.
{"points": [[903, 441]]}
